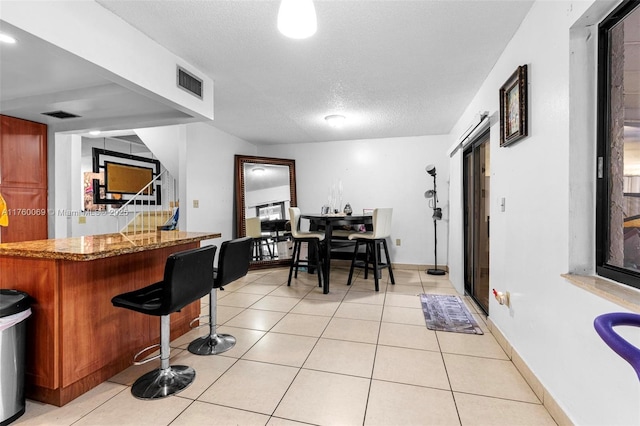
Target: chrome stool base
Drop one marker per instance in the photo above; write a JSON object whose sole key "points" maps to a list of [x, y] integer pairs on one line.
{"points": [[161, 383], [212, 345]]}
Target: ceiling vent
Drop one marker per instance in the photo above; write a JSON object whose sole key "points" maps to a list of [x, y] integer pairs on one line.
{"points": [[60, 114], [189, 82]]}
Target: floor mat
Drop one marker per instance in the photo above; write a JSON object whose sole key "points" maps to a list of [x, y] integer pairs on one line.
{"points": [[445, 312]]}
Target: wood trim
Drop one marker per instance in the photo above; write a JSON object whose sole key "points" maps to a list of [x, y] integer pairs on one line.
{"points": [[239, 188]]}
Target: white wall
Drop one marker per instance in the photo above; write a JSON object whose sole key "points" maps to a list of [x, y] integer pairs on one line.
{"points": [[543, 233], [207, 171], [164, 143], [379, 173], [66, 159]]}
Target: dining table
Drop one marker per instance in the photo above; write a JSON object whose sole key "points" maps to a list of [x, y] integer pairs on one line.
{"points": [[330, 222]]}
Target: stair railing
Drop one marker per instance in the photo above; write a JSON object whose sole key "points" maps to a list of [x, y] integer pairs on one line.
{"points": [[122, 210]]}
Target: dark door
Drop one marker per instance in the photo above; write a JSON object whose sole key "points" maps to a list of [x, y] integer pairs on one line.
{"points": [[477, 198]]}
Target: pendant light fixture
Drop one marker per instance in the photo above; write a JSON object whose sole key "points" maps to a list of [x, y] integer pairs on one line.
{"points": [[297, 18]]}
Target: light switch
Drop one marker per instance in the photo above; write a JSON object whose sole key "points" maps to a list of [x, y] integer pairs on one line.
{"points": [[196, 204], [82, 219], [502, 204]]}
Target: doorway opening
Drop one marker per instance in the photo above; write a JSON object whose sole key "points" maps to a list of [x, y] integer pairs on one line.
{"points": [[477, 199]]}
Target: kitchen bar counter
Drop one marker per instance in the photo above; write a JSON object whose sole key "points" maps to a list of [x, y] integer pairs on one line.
{"points": [[101, 246], [76, 339]]}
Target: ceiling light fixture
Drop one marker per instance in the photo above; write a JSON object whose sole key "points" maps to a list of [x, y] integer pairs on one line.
{"points": [[94, 132], [5, 38], [335, 120], [258, 170], [297, 18]]}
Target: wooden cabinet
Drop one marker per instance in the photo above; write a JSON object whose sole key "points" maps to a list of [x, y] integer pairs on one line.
{"points": [[23, 178], [27, 209]]}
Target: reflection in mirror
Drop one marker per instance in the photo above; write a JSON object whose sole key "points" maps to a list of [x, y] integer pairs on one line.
{"points": [[265, 189]]}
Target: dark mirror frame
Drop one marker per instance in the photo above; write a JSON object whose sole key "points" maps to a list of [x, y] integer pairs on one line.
{"points": [[241, 229]]}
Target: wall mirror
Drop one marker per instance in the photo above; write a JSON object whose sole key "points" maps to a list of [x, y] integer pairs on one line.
{"points": [[265, 189]]}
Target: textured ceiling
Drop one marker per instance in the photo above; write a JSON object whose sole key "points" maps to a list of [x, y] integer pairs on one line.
{"points": [[393, 68]]}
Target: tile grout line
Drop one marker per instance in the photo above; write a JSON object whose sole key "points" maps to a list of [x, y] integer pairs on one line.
{"points": [[302, 365], [375, 356], [444, 364], [340, 304]]}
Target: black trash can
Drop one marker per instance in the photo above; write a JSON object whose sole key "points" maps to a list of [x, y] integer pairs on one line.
{"points": [[15, 308]]}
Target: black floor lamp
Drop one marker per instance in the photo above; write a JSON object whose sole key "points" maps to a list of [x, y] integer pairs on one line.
{"points": [[432, 196]]}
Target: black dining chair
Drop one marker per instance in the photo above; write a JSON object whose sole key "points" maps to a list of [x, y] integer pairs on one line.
{"points": [[188, 276], [374, 240], [233, 264]]}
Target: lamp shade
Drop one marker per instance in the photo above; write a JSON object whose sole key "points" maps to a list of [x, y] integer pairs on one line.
{"points": [[431, 169], [297, 18], [430, 193]]}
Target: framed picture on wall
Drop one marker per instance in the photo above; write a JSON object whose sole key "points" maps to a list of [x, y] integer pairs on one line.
{"points": [[513, 107]]}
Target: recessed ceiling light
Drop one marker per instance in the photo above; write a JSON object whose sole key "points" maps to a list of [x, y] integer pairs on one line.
{"points": [[335, 120], [94, 132], [5, 38], [297, 18]]}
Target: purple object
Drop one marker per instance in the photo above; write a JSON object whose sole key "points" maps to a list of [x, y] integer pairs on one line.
{"points": [[604, 326]]}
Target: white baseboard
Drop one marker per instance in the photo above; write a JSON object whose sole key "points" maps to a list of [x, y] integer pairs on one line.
{"points": [[538, 388]]}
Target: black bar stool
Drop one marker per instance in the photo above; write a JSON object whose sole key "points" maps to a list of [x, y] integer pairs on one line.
{"points": [[188, 276], [233, 263]]}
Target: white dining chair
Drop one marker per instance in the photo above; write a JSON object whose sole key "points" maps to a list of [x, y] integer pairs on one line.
{"points": [[374, 240], [254, 230], [312, 238]]}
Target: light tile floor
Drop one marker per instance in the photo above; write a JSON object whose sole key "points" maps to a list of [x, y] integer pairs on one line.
{"points": [[352, 357]]}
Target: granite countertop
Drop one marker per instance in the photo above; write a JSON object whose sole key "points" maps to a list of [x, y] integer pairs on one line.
{"points": [[101, 246]]}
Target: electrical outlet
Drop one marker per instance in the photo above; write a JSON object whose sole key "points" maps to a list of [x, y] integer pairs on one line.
{"points": [[196, 204], [398, 241]]}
